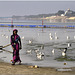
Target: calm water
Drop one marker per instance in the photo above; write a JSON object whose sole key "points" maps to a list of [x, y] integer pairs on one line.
{"points": [[40, 40]]}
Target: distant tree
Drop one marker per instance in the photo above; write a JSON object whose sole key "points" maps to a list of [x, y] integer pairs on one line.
{"points": [[60, 12]]}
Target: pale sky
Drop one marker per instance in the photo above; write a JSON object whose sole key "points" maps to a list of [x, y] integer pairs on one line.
{"points": [[22, 8], [37, 0]]}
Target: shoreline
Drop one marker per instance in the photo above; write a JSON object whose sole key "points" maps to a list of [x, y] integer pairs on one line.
{"points": [[39, 26], [7, 68]]}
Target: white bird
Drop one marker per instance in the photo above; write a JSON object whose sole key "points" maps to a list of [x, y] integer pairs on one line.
{"points": [[68, 37], [74, 37], [28, 51], [7, 37], [22, 37], [55, 33], [53, 51], [56, 37], [50, 37], [42, 46], [64, 52], [40, 55], [69, 45], [3, 34], [37, 50], [30, 41]]}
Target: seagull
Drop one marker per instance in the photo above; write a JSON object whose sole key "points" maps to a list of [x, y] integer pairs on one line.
{"points": [[40, 55], [3, 35], [23, 37], [37, 50], [42, 46], [74, 37], [51, 38], [30, 41], [55, 33], [69, 45], [56, 37], [64, 52], [68, 37], [53, 51], [7, 37], [28, 51]]}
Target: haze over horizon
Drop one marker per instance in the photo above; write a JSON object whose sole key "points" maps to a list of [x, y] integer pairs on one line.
{"points": [[22, 8]]}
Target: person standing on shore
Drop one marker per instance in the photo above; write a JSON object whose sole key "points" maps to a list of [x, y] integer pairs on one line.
{"points": [[16, 46]]}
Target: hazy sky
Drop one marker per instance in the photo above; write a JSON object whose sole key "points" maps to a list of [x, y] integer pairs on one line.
{"points": [[37, 0], [21, 8]]}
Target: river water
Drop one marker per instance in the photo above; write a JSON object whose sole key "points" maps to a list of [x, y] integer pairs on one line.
{"points": [[41, 40]]}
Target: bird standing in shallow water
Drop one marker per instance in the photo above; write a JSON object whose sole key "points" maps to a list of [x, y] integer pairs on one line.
{"points": [[51, 38], [56, 36], [74, 37], [30, 41], [68, 37], [69, 45], [37, 50], [64, 52], [7, 37], [28, 51], [40, 55], [22, 37], [53, 51], [42, 46]]}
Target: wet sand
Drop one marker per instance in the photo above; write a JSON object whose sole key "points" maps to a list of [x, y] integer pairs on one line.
{"points": [[8, 69]]}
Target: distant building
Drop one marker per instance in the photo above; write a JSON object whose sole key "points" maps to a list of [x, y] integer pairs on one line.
{"points": [[66, 17]]}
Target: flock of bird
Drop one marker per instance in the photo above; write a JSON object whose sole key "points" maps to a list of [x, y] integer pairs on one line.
{"points": [[56, 37], [39, 54], [6, 36], [51, 37], [65, 49]]}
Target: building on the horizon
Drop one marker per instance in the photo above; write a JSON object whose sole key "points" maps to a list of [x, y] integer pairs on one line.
{"points": [[68, 16]]}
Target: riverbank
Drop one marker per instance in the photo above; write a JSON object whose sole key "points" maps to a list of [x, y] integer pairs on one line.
{"points": [[62, 26], [6, 69]]}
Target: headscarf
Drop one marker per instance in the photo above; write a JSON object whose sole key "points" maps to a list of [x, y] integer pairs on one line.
{"points": [[15, 30]]}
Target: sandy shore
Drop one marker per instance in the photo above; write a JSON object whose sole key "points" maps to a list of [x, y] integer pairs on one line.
{"points": [[8, 69]]}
